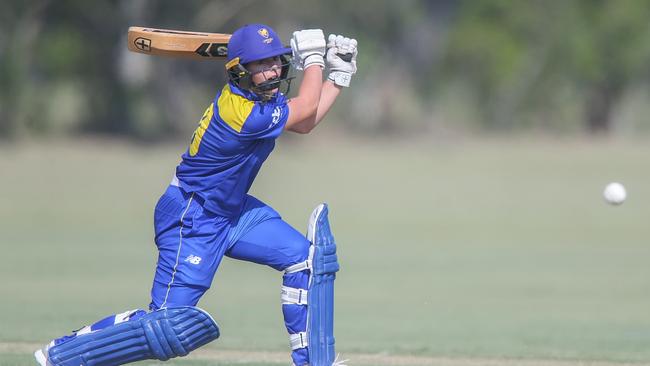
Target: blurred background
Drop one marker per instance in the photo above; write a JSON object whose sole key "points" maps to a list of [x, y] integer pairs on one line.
{"points": [[464, 168], [433, 68]]}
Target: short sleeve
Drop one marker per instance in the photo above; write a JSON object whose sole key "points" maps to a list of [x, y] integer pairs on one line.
{"points": [[265, 121]]}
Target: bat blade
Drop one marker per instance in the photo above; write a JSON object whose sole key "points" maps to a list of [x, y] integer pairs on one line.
{"points": [[175, 43]]}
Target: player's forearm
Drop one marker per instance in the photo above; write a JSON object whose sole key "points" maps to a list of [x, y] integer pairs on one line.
{"points": [[303, 108], [328, 95], [310, 89]]}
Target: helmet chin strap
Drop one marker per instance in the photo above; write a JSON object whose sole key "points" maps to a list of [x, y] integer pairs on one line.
{"points": [[267, 85], [265, 88]]}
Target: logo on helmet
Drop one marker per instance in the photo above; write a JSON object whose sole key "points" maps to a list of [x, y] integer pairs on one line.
{"points": [[265, 33]]}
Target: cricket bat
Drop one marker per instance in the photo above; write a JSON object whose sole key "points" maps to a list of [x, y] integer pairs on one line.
{"points": [[175, 43]]}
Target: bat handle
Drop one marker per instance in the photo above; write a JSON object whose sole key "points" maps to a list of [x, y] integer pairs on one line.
{"points": [[347, 57]]}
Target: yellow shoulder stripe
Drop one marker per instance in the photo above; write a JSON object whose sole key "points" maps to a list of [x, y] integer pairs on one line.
{"points": [[233, 108]]}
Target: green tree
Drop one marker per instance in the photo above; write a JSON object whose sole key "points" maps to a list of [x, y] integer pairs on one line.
{"points": [[518, 54], [606, 50]]}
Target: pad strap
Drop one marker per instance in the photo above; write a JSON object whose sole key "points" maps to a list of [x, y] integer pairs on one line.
{"points": [[292, 295], [299, 267], [298, 340]]}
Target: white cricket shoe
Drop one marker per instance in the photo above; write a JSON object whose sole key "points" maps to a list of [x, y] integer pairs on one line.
{"points": [[341, 362], [41, 355]]}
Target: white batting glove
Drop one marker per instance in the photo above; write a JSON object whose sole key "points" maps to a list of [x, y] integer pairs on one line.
{"points": [[308, 47], [341, 59]]}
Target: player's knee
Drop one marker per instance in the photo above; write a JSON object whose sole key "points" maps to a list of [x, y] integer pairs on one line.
{"points": [[296, 251], [175, 295]]}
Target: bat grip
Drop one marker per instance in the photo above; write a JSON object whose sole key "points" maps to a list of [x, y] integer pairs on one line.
{"points": [[347, 57]]}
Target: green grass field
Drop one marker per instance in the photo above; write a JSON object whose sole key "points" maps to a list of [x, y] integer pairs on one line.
{"points": [[472, 253]]}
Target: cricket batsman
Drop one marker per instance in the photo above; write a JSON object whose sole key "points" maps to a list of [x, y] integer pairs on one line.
{"points": [[206, 212]]}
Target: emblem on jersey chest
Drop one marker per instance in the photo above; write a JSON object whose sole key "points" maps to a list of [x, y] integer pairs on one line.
{"points": [[277, 112]]}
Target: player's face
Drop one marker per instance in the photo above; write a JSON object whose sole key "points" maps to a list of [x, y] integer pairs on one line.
{"points": [[266, 69]]}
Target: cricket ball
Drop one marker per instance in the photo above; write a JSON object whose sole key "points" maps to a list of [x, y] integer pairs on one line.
{"points": [[614, 193]]}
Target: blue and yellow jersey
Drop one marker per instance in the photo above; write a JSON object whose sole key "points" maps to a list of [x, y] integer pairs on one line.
{"points": [[234, 137]]}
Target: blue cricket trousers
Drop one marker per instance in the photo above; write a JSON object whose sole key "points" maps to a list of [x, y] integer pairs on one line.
{"points": [[192, 241]]}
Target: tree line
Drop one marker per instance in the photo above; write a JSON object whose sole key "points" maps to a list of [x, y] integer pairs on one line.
{"points": [[481, 65]]}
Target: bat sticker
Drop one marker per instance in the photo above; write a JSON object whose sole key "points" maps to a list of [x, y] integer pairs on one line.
{"points": [[213, 50], [143, 44]]}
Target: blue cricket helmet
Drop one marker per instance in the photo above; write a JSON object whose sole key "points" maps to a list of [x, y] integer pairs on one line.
{"points": [[254, 42]]}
